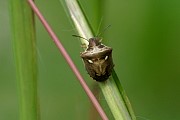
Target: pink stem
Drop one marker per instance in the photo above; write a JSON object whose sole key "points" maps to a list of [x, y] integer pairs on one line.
{"points": [[69, 61]]}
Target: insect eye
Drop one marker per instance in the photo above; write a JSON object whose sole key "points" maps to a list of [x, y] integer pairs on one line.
{"points": [[100, 46], [106, 58], [90, 61]]}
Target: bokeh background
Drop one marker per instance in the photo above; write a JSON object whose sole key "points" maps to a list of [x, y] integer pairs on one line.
{"points": [[145, 36]]}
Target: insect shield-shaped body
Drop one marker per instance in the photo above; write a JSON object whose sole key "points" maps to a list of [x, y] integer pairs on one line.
{"points": [[98, 60]]}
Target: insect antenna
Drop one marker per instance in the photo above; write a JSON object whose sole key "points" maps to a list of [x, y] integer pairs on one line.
{"points": [[100, 23], [80, 37], [103, 30]]}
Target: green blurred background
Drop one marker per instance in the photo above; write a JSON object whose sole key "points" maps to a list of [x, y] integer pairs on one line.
{"points": [[145, 36]]}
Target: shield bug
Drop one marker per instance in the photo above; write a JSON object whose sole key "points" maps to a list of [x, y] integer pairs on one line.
{"points": [[97, 59]]}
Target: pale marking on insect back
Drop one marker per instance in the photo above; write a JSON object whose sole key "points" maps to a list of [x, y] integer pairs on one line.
{"points": [[90, 61], [106, 58]]}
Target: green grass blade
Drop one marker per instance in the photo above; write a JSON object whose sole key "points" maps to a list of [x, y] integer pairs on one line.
{"points": [[112, 90], [23, 36]]}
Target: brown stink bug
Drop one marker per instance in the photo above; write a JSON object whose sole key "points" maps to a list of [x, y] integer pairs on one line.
{"points": [[97, 59]]}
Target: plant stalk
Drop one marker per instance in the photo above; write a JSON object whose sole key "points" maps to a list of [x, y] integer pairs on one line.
{"points": [[112, 90], [24, 46]]}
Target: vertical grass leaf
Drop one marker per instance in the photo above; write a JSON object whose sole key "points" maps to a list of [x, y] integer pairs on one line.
{"points": [[23, 36]]}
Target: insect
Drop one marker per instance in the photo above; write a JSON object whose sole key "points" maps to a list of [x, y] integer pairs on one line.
{"points": [[97, 59]]}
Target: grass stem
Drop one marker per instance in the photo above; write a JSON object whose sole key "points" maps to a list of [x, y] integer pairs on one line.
{"points": [[112, 89], [24, 43]]}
